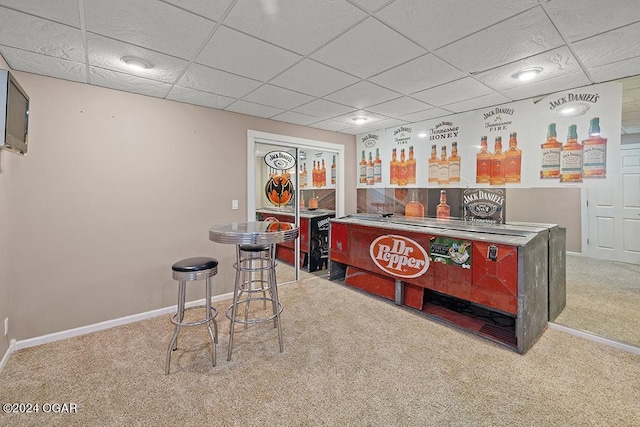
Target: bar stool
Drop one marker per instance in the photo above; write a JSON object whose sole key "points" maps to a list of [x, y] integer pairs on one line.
{"points": [[186, 270], [253, 263]]}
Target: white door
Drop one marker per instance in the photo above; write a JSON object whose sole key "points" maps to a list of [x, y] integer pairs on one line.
{"points": [[614, 213]]}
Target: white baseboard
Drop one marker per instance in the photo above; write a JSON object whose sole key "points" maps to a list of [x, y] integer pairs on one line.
{"points": [[592, 337], [30, 342]]}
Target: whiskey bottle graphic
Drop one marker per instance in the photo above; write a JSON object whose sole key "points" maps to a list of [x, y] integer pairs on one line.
{"points": [[303, 176], [571, 158], [594, 152], [454, 163], [443, 210], [414, 208], [333, 170], [314, 175], [370, 178], [434, 166], [363, 169], [483, 163], [497, 164], [411, 167], [393, 168], [513, 160], [377, 167], [550, 167], [402, 169], [443, 167], [322, 177]]}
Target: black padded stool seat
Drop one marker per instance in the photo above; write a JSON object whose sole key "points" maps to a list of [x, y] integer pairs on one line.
{"points": [[254, 248], [195, 264], [188, 270]]}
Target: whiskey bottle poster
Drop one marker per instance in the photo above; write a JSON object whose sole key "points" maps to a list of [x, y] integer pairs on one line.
{"points": [[578, 134], [321, 167], [443, 161], [404, 156], [444, 203], [484, 205], [499, 146], [371, 152]]}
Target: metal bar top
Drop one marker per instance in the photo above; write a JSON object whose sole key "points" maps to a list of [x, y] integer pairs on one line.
{"points": [[253, 233]]}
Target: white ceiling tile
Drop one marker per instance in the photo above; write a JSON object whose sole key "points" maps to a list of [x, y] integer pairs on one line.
{"points": [[425, 115], [205, 99], [252, 109], [451, 92], [330, 125], [216, 81], [207, 8], [128, 83], [322, 109], [605, 73], [418, 74], [371, 5], [106, 53], [35, 63], [313, 78], [612, 46], [62, 11], [299, 25], [399, 107], [379, 125], [296, 118], [249, 57], [149, 23], [578, 19], [523, 35], [36, 35], [554, 63], [435, 23], [362, 95], [563, 82], [476, 103], [278, 97], [368, 49]]}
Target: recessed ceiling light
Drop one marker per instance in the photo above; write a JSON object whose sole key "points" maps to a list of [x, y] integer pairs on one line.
{"points": [[136, 63], [360, 119], [527, 74]]}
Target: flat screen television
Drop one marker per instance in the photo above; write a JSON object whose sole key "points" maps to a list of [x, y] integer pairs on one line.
{"points": [[14, 114]]}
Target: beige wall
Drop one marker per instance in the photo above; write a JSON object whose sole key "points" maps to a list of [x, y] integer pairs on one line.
{"points": [[115, 188], [5, 228], [551, 206]]}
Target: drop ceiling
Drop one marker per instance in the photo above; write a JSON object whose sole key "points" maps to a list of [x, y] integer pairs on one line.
{"points": [[320, 63]]}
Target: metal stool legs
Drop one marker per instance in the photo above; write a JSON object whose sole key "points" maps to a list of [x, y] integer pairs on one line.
{"points": [[210, 312], [247, 267]]}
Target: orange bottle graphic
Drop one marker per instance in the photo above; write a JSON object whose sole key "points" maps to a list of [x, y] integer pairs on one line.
{"points": [[377, 167], [550, 167], [497, 164], [513, 160], [595, 152], [443, 167], [314, 175], [454, 163], [370, 178], [411, 167], [483, 163], [414, 208], [434, 166], [393, 168], [571, 158], [402, 169], [443, 210], [333, 170], [322, 181], [363, 169]]}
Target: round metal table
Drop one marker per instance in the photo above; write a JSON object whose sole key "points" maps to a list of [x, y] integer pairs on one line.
{"points": [[254, 237]]}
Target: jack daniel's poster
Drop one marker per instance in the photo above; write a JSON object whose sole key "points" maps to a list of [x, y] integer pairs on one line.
{"points": [[484, 205]]}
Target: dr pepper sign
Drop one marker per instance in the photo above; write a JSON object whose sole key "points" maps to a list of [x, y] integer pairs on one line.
{"points": [[399, 256]]}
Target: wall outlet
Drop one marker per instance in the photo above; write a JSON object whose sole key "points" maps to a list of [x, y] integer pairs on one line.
{"points": [[6, 326]]}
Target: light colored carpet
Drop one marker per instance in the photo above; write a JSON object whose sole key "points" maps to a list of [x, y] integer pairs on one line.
{"points": [[349, 359], [603, 297]]}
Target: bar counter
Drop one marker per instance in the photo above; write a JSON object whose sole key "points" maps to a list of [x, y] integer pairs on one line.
{"points": [[491, 279]]}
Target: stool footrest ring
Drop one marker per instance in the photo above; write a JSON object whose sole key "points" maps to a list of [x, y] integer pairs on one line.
{"points": [[255, 320], [214, 311]]}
